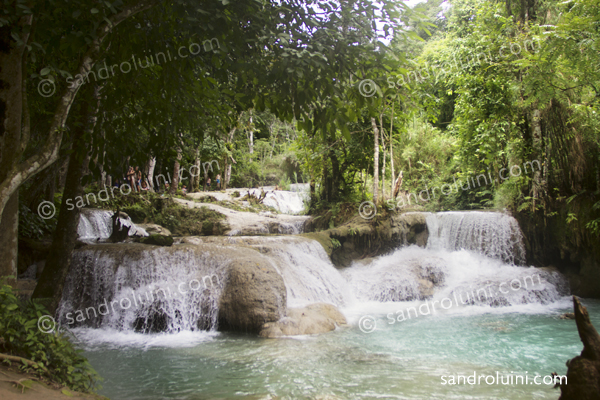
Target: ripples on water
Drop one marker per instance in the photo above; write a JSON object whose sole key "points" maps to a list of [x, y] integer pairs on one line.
{"points": [[403, 360]]}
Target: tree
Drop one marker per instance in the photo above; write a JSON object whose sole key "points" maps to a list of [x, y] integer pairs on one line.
{"points": [[16, 40]]}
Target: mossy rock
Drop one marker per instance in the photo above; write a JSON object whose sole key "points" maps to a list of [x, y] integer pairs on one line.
{"points": [[158, 240], [137, 214]]}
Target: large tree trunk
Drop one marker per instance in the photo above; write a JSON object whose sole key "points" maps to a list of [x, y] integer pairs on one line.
{"points": [[151, 166], [13, 139], [375, 161], [196, 178], [11, 96], [536, 137], [58, 262], [9, 233], [175, 182]]}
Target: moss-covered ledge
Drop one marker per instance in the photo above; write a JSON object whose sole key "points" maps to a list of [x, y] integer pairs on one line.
{"points": [[360, 238]]}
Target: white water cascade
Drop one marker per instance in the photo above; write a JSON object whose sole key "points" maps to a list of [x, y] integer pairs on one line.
{"points": [[94, 224], [309, 275], [493, 234], [286, 202], [141, 288], [469, 260]]}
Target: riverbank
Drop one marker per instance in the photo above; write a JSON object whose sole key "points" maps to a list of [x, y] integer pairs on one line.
{"points": [[16, 385]]}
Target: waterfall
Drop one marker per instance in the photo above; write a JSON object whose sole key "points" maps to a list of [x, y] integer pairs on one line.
{"points": [[95, 224], [493, 234], [286, 202], [137, 287], [463, 277], [148, 289], [471, 258], [308, 273], [469, 261]]}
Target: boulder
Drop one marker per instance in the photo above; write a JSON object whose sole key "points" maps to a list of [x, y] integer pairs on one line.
{"points": [[154, 228], [313, 319], [360, 238], [583, 375], [158, 240], [254, 294]]}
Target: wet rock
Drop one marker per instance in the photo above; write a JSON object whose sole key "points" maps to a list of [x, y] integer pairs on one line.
{"points": [[313, 319], [360, 238], [583, 375], [568, 315], [158, 240], [254, 294], [154, 228]]}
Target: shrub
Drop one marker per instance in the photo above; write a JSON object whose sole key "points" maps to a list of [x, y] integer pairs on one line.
{"points": [[54, 356]]}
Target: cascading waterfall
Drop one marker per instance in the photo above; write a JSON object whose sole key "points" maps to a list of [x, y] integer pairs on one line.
{"points": [[493, 234], [308, 273], [94, 224], [147, 289], [286, 202], [470, 259]]}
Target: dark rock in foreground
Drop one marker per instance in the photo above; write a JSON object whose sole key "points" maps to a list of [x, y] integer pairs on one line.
{"points": [[583, 376]]}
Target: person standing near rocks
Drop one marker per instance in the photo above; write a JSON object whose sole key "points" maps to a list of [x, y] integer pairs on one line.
{"points": [[131, 177]]}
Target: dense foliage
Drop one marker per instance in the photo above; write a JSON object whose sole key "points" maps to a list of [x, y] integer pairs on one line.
{"points": [[54, 355]]}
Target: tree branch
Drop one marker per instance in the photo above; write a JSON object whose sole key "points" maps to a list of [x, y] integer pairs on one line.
{"points": [[49, 152]]}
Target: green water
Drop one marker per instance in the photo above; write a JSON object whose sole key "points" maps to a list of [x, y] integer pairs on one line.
{"points": [[397, 361]]}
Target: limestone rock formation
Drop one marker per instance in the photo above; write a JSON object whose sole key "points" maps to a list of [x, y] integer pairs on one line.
{"points": [[254, 294], [360, 238], [154, 228], [313, 319], [583, 375], [157, 239]]}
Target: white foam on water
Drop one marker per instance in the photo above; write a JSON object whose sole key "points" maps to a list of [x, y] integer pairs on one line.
{"points": [[94, 338]]}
